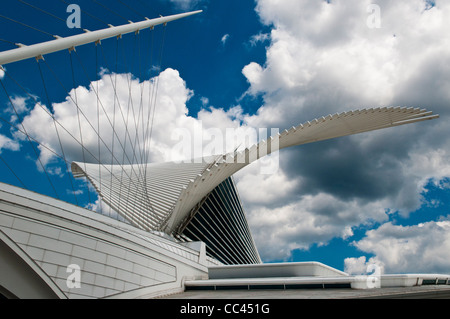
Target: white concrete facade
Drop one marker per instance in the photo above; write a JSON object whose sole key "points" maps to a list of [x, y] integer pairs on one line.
{"points": [[292, 269], [303, 274], [42, 239], [116, 260]]}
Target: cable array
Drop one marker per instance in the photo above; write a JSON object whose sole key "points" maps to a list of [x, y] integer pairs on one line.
{"points": [[131, 149]]}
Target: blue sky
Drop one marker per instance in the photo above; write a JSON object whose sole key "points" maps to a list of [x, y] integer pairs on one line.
{"points": [[381, 197]]}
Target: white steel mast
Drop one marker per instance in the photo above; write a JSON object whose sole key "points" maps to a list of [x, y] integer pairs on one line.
{"points": [[36, 50]]}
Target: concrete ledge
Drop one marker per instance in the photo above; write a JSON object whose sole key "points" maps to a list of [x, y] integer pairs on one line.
{"points": [[399, 280], [409, 280], [291, 295], [354, 282], [299, 269]]}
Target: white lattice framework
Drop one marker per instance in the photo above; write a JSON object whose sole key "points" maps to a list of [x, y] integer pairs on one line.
{"points": [[169, 192]]}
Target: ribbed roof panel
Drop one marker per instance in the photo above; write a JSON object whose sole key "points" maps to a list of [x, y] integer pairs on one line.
{"points": [[168, 192]]}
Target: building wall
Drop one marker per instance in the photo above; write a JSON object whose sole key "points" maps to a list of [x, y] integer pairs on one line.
{"points": [[20, 276], [114, 259]]}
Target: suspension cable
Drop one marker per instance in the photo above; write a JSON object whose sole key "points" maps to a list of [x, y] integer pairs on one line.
{"points": [[42, 10], [132, 9], [85, 117], [13, 126], [26, 25], [157, 84], [110, 10], [150, 97], [56, 129], [12, 171], [30, 138], [146, 132], [106, 114], [145, 5], [79, 121], [136, 142], [88, 14], [126, 121], [114, 109], [98, 129], [9, 42], [114, 133], [47, 111], [130, 100]]}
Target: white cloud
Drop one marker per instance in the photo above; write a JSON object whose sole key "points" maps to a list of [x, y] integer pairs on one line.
{"points": [[172, 96], [8, 144], [2, 73], [225, 38], [259, 38], [275, 187], [20, 104], [204, 100], [124, 137], [320, 50], [359, 266], [403, 249], [322, 59], [18, 107], [289, 223]]}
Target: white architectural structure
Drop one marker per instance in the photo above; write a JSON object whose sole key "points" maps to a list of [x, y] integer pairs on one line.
{"points": [[41, 237], [198, 201], [181, 219], [26, 52]]}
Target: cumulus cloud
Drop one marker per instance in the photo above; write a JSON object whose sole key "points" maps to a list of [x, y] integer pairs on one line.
{"points": [[68, 127], [361, 266], [7, 143], [324, 58], [406, 249], [20, 104], [311, 219], [117, 115], [120, 119]]}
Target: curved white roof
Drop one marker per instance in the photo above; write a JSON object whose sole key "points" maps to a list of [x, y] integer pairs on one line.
{"points": [[169, 191]]}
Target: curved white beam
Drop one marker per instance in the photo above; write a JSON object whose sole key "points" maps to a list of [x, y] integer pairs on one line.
{"points": [[36, 50], [332, 126], [174, 189]]}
